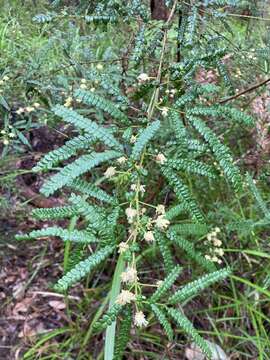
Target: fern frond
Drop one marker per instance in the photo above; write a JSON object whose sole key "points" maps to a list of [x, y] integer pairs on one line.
{"points": [[92, 99], [195, 287], [191, 26], [183, 322], [139, 45], [78, 167], [182, 192], [190, 229], [161, 317], [98, 132], [109, 317], [192, 166], [90, 212], [65, 152], [220, 151], [166, 284], [83, 268], [193, 254], [123, 334], [257, 196], [55, 213], [78, 236], [165, 251], [174, 211], [146, 135], [92, 190]]}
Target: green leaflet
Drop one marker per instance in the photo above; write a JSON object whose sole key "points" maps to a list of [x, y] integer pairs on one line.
{"points": [[166, 284], [144, 138], [220, 151], [183, 322], [161, 317], [55, 213], [79, 236], [92, 190], [165, 251], [193, 254], [108, 318], [182, 192], [83, 268], [98, 132], [64, 152], [90, 98], [192, 166], [123, 333], [75, 169], [195, 287]]}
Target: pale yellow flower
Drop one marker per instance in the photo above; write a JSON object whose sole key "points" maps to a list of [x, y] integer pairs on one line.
{"points": [[110, 172], [149, 236], [143, 78], [125, 297], [129, 276], [160, 209], [161, 222], [139, 319], [131, 213], [123, 247], [161, 158], [121, 160]]}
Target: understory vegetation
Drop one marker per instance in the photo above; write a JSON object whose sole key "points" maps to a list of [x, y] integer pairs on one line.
{"points": [[134, 181]]}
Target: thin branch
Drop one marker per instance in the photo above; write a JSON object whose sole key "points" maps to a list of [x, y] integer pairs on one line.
{"points": [[251, 88]]}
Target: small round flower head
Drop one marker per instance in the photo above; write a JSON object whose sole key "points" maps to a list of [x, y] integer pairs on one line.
{"points": [[1, 82], [125, 297], [121, 160], [161, 222], [161, 158], [110, 172], [83, 81], [143, 78], [99, 66], [217, 242], [93, 89], [207, 257], [68, 102], [133, 187], [123, 247], [130, 213], [36, 105], [164, 111], [139, 319], [30, 109], [11, 135], [3, 132], [129, 276], [159, 283], [5, 78], [142, 189], [215, 259], [219, 252], [5, 141], [83, 86], [132, 139], [217, 230], [160, 209], [149, 236]]}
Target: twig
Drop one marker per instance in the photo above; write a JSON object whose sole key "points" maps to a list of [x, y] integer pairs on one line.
{"points": [[251, 88]]}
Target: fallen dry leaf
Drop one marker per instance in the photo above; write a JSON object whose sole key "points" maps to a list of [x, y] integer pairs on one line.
{"points": [[57, 304]]}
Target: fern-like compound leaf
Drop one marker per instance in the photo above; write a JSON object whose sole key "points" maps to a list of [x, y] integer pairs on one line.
{"points": [[91, 190], [92, 99], [78, 236], [108, 318], [146, 135], [165, 251], [98, 132], [182, 192], [257, 196], [72, 171], [162, 319], [55, 213], [220, 151], [192, 166], [174, 211], [83, 268], [166, 284], [65, 152], [123, 334], [195, 287], [193, 254], [190, 229], [183, 322]]}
